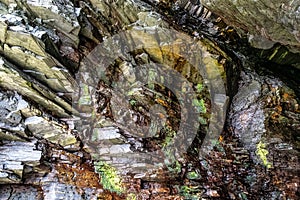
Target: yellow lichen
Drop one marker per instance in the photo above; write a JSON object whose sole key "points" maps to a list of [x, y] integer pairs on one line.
{"points": [[131, 196], [262, 153]]}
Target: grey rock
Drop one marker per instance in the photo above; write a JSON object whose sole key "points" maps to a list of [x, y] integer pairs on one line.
{"points": [[18, 81], [61, 15], [52, 132], [257, 115], [20, 192], [23, 45], [14, 156]]}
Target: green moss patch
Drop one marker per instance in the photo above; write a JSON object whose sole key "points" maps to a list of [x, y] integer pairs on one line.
{"points": [[109, 177]]}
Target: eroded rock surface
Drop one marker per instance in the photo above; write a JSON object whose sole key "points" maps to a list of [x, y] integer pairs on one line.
{"points": [[97, 143], [22, 44], [276, 21], [35, 157], [265, 117]]}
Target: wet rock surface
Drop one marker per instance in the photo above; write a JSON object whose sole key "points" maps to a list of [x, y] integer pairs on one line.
{"points": [[266, 122], [67, 132], [276, 21], [272, 26]]}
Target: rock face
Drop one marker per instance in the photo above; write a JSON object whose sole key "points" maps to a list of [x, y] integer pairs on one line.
{"points": [[144, 75], [27, 46], [127, 99], [37, 63], [264, 115], [265, 21]]}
